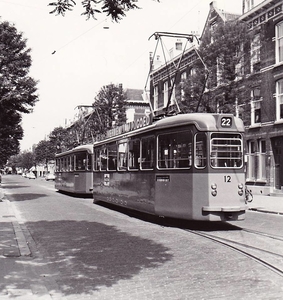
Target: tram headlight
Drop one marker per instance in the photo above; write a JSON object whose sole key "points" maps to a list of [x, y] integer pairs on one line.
{"points": [[214, 189], [214, 193], [214, 186], [241, 189]]}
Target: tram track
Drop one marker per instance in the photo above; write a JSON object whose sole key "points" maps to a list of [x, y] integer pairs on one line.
{"points": [[271, 260]]}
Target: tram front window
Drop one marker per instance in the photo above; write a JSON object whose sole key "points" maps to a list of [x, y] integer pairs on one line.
{"points": [[226, 150]]}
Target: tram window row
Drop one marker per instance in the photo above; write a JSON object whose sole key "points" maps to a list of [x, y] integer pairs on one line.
{"points": [[80, 161], [174, 151]]}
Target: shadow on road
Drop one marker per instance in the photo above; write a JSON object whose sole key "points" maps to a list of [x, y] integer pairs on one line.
{"points": [[25, 196], [84, 256], [171, 222]]}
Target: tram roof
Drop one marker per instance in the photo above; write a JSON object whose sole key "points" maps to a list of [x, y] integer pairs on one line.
{"points": [[202, 121], [88, 148]]}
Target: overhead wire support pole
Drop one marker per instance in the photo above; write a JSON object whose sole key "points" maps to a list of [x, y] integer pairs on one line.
{"points": [[205, 78], [158, 36]]}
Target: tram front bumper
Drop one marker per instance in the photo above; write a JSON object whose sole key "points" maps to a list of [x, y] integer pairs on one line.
{"points": [[223, 209], [228, 213]]}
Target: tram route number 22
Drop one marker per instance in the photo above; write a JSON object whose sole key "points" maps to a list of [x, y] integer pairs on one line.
{"points": [[227, 178]]}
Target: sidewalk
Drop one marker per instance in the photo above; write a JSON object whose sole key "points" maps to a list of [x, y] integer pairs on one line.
{"points": [[267, 204], [18, 278]]}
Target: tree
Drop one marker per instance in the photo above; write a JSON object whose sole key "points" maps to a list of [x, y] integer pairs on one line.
{"points": [[60, 140], [226, 55], [44, 152], [17, 89], [110, 108], [116, 9], [24, 160]]}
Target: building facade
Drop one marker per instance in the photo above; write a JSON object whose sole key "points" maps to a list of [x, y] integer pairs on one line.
{"points": [[264, 134], [263, 109]]}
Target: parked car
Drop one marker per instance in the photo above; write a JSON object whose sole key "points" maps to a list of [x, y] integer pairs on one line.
{"points": [[50, 176], [30, 175]]}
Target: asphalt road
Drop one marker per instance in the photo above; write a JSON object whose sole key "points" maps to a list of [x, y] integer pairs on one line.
{"points": [[87, 251]]}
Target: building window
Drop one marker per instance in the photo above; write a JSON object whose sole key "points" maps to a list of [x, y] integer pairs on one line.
{"points": [[172, 93], [165, 93], [250, 173], [279, 42], [219, 70], [255, 53], [183, 79], [212, 30], [239, 67], [261, 161], [255, 106], [155, 98], [279, 100]]}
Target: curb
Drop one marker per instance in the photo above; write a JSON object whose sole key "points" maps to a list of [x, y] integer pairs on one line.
{"points": [[262, 210], [23, 248]]}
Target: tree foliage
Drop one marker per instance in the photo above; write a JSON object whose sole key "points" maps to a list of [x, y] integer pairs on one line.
{"points": [[116, 9], [109, 107], [17, 89], [226, 57], [44, 152], [24, 160], [59, 140]]}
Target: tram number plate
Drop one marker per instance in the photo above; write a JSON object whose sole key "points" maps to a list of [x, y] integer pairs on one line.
{"points": [[227, 178], [226, 122]]}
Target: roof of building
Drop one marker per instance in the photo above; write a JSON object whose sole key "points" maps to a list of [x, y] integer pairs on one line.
{"points": [[134, 94]]}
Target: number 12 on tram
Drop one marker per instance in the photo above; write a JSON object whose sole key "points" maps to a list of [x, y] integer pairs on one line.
{"points": [[188, 166]]}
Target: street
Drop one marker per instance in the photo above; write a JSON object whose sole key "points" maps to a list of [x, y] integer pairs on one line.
{"points": [[81, 250]]}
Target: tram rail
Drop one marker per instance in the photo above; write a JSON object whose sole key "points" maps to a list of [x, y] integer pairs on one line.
{"points": [[267, 258]]}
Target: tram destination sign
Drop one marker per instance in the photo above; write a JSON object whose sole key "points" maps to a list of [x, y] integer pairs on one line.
{"points": [[130, 126]]}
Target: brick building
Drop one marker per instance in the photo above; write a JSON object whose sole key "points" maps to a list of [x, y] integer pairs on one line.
{"points": [[264, 134]]}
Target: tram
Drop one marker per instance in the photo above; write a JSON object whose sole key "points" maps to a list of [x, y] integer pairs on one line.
{"points": [[74, 172], [188, 166]]}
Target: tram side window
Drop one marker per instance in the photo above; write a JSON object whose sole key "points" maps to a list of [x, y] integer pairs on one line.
{"points": [[65, 164], [96, 160], [58, 165], [200, 150], [175, 150], [72, 163], [147, 153], [134, 154], [122, 156], [103, 159], [80, 161], [112, 157], [88, 161]]}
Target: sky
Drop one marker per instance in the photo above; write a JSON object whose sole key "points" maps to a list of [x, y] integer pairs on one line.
{"points": [[88, 56]]}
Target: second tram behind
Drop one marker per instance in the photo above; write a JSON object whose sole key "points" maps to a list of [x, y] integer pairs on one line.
{"points": [[188, 166], [74, 172]]}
